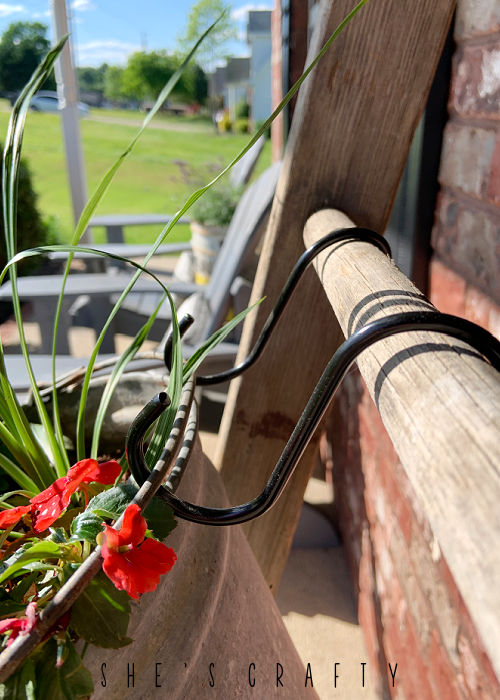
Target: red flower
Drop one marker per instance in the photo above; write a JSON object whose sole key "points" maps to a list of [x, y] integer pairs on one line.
{"points": [[19, 625], [12, 516], [131, 562], [48, 505]]}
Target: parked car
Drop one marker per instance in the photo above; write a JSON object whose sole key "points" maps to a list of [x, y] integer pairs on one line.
{"points": [[47, 101]]}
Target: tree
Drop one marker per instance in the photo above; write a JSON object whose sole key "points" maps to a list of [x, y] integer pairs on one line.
{"points": [[92, 79], [146, 74], [113, 84], [22, 47], [214, 46]]}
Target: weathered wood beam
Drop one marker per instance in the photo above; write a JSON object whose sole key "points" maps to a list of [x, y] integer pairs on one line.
{"points": [[350, 136], [440, 404]]}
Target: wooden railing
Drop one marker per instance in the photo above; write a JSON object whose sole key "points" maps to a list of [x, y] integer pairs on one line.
{"points": [[440, 403]]}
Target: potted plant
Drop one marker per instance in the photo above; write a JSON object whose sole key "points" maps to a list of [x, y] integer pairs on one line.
{"points": [[211, 216]]}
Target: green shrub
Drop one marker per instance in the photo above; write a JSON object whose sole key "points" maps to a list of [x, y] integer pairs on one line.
{"points": [[241, 126], [216, 207], [242, 110], [225, 124], [32, 230]]}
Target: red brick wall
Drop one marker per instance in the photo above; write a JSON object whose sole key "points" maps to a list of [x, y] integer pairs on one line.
{"points": [[408, 603], [465, 270]]}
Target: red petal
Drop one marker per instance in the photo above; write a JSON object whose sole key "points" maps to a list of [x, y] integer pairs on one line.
{"points": [[105, 473], [12, 623], [119, 570], [12, 516], [88, 470], [134, 526], [110, 541], [157, 555], [79, 471], [48, 505]]}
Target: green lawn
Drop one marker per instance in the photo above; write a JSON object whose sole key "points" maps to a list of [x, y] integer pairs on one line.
{"points": [[149, 180]]}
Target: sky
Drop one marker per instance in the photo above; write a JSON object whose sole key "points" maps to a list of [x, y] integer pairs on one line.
{"points": [[110, 30]]}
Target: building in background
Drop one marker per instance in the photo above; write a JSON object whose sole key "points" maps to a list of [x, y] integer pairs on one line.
{"points": [[259, 41], [247, 79], [237, 83]]}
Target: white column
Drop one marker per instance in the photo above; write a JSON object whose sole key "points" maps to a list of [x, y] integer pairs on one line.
{"points": [[67, 89]]}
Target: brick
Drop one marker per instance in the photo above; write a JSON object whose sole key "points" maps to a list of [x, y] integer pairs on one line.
{"points": [[477, 306], [447, 289], [494, 321], [416, 666], [436, 593], [471, 247], [417, 603], [493, 192], [442, 674], [476, 681], [475, 88], [476, 18], [466, 158]]}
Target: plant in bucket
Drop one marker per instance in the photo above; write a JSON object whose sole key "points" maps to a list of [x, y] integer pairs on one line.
{"points": [[81, 540], [211, 216]]}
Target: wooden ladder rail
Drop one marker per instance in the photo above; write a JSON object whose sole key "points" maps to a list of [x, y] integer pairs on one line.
{"points": [[440, 404], [351, 131]]}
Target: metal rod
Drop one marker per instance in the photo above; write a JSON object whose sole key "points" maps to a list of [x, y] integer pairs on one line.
{"points": [[339, 236], [323, 393]]}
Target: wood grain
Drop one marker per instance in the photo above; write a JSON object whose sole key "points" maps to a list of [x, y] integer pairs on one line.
{"points": [[440, 404], [351, 132]]}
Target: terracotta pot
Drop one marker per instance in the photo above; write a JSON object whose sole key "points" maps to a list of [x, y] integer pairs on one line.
{"points": [[212, 626]]}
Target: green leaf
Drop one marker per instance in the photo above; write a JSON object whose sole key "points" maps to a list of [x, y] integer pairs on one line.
{"points": [[111, 504], [39, 551], [68, 682], [101, 614], [160, 518], [44, 442], [86, 526], [8, 608], [22, 588], [21, 685]]}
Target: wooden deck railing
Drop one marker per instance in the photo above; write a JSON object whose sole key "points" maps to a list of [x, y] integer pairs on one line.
{"points": [[440, 403]]}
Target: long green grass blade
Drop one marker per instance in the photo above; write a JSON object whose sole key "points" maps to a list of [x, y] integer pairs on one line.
{"points": [[198, 193], [200, 354], [18, 475], [293, 90], [166, 420], [84, 221], [10, 173], [18, 451], [73, 249], [114, 378]]}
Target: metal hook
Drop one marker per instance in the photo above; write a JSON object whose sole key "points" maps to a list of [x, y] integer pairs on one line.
{"points": [[341, 235], [184, 323], [323, 393]]}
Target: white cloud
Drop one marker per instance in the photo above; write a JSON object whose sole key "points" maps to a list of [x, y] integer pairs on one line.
{"points": [[6, 10], [241, 13], [82, 5], [112, 51], [39, 15]]}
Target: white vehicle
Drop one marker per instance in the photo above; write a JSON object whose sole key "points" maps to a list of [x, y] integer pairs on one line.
{"points": [[47, 101]]}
